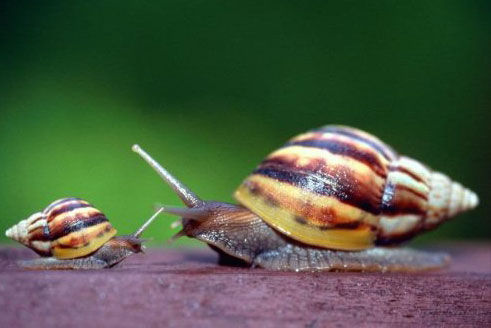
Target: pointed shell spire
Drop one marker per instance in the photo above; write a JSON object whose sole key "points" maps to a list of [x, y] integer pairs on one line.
{"points": [[23, 233], [447, 199]]}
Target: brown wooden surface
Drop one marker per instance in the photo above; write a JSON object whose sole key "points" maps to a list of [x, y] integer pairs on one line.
{"points": [[187, 288]]}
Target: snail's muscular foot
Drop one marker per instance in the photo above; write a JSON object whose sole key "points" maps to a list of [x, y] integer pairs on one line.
{"points": [[51, 263], [377, 259]]}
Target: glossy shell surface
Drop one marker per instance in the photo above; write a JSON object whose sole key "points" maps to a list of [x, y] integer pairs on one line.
{"points": [[67, 228], [342, 188]]}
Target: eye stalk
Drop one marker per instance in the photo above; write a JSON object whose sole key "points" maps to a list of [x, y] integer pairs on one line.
{"points": [[138, 233], [185, 194], [198, 212]]}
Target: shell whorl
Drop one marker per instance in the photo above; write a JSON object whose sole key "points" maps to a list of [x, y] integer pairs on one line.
{"points": [[447, 199], [416, 198], [22, 232], [340, 187], [67, 228]]}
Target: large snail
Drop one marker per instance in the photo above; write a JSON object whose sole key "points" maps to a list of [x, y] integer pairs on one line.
{"points": [[72, 234], [330, 199]]}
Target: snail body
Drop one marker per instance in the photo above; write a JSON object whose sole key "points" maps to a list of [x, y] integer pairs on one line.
{"points": [[72, 234], [329, 199]]}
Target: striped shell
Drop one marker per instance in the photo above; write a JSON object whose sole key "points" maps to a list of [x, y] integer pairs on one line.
{"points": [[67, 228], [342, 188]]}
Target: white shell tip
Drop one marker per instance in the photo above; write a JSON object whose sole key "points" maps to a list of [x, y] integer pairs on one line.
{"points": [[473, 199], [15, 232], [135, 148]]}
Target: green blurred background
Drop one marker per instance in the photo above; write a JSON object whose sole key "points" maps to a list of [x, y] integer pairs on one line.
{"points": [[210, 87]]}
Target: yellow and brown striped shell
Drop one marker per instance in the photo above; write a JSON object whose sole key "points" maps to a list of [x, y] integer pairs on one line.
{"points": [[67, 228], [342, 188]]}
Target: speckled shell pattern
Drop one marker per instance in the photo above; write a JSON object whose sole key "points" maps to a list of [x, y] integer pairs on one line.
{"points": [[67, 228], [342, 188]]}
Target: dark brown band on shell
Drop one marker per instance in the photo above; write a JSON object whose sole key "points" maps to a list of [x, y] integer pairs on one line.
{"points": [[339, 147], [76, 223], [341, 186], [59, 202], [68, 207], [384, 149]]}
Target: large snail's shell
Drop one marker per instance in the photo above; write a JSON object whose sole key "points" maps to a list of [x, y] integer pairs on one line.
{"points": [[342, 188], [67, 228]]}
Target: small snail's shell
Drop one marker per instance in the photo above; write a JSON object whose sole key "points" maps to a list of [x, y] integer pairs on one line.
{"points": [[67, 228], [342, 188]]}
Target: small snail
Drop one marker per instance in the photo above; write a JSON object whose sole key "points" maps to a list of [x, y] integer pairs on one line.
{"points": [[72, 234], [332, 198]]}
